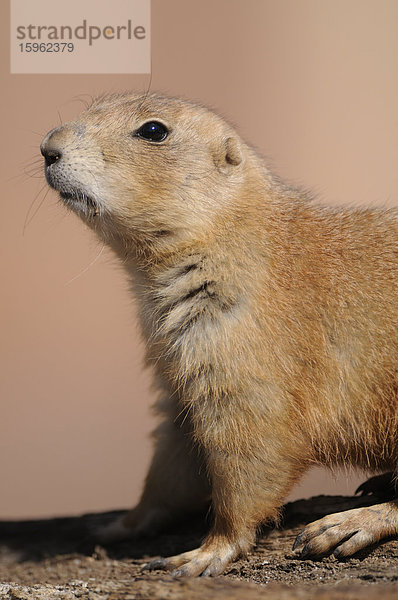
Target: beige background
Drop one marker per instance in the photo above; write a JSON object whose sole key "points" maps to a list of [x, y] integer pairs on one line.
{"points": [[313, 84]]}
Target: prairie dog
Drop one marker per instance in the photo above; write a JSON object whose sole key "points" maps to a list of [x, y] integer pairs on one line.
{"points": [[270, 321]]}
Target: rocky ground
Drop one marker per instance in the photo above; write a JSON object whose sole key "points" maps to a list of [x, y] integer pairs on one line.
{"points": [[57, 558]]}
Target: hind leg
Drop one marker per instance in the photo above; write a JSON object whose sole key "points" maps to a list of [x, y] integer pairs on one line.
{"points": [[176, 484], [347, 532], [383, 486]]}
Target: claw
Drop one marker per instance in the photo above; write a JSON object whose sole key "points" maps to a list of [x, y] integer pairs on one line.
{"points": [[348, 532], [306, 551], [208, 561], [299, 540], [154, 565], [177, 573], [380, 485]]}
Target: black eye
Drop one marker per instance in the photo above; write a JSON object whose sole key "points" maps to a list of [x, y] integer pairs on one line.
{"points": [[153, 131]]}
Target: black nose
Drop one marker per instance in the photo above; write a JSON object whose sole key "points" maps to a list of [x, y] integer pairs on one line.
{"points": [[51, 156]]}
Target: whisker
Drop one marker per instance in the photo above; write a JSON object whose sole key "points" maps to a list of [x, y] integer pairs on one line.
{"points": [[36, 158], [34, 174], [33, 165], [29, 215], [31, 169], [80, 98], [92, 263], [145, 96], [25, 130], [24, 176], [36, 133], [18, 176]]}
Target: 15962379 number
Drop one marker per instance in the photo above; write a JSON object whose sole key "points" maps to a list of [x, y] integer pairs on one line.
{"points": [[47, 47]]}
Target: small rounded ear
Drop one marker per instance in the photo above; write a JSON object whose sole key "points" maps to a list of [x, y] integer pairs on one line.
{"points": [[227, 154]]}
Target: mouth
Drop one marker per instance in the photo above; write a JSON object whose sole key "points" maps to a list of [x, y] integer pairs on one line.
{"points": [[80, 200], [73, 197]]}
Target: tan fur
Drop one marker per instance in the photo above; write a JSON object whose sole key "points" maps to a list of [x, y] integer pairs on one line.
{"points": [[270, 321]]}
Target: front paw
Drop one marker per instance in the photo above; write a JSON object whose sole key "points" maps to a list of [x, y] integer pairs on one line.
{"points": [[344, 533], [209, 560]]}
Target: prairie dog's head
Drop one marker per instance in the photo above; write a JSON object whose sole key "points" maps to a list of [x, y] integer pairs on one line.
{"points": [[148, 165]]}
